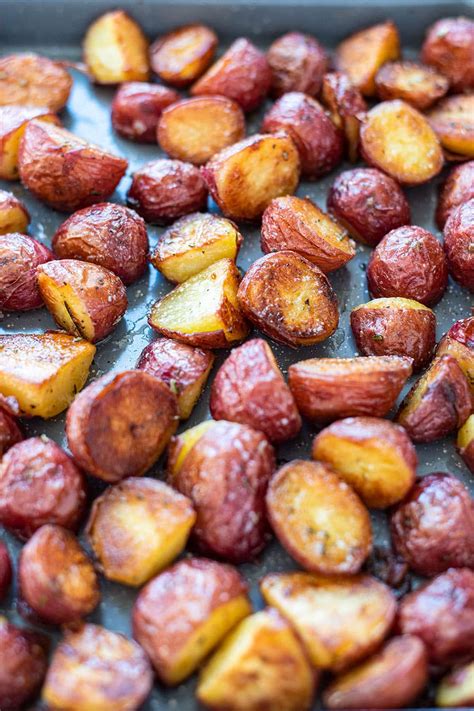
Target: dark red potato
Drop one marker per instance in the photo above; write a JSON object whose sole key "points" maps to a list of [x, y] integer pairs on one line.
{"points": [[458, 237], [137, 107], [298, 63], [449, 47], [5, 570], [458, 188], [10, 431], [24, 664], [20, 255]]}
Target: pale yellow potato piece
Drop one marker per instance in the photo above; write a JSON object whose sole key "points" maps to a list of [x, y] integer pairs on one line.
{"points": [[14, 216], [182, 444], [457, 688], [13, 121], [466, 433]]}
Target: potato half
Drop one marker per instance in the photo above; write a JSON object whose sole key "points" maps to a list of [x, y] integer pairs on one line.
{"points": [[453, 122], [182, 55], [13, 121], [416, 84], [30, 80], [14, 217], [347, 108]]}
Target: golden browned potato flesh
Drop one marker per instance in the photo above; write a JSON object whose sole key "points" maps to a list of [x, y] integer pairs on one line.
{"points": [[181, 56], [457, 688], [181, 445], [453, 122], [13, 120], [416, 84], [459, 343], [31, 80], [347, 108], [465, 442], [14, 217]]}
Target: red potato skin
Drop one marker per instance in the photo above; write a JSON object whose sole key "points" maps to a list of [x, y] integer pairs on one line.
{"points": [[137, 107], [449, 47], [10, 430], [463, 331], [303, 119], [6, 571], [298, 63], [458, 237], [24, 664], [368, 203], [20, 256], [457, 189]]}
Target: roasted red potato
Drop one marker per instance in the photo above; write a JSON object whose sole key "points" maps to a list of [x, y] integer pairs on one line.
{"points": [[459, 342], [86, 300], [362, 54], [395, 326], [368, 203], [116, 50], [10, 431], [289, 299], [225, 474], [438, 403], [303, 119], [39, 484], [183, 368], [242, 74], [457, 688], [93, 667], [31, 80], [433, 528], [453, 122], [137, 107], [196, 129], [298, 63], [6, 573], [318, 518], [392, 678], [24, 664], [375, 457], [14, 217], [458, 188], [465, 443], [299, 225], [13, 121], [181, 56], [203, 311], [408, 262], [339, 619], [458, 238], [449, 47], [64, 171], [441, 614], [56, 578], [163, 190], [183, 613], [249, 388], [137, 528], [261, 665], [347, 108], [417, 85], [135, 412], [106, 234], [20, 257], [327, 389], [397, 139], [244, 178], [389, 567]]}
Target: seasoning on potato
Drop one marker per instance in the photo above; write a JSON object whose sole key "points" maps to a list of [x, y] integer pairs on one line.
{"points": [[452, 119], [347, 108], [10, 430], [6, 573], [137, 107], [183, 613], [298, 63], [449, 47], [24, 663], [14, 217], [417, 85], [181, 56], [459, 343], [20, 257], [458, 236], [457, 688], [31, 80], [457, 189], [465, 443], [13, 121]]}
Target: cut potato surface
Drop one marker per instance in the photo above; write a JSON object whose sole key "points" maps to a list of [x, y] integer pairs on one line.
{"points": [[457, 688], [182, 444], [417, 85], [13, 121], [30, 80], [453, 122], [181, 56], [14, 216]]}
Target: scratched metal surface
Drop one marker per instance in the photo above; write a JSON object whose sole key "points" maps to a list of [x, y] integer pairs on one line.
{"points": [[88, 115]]}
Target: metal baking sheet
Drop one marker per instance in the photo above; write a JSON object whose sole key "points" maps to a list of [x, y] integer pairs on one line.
{"points": [[55, 28]]}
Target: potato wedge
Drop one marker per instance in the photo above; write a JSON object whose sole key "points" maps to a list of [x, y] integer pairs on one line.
{"points": [[244, 178], [13, 121], [181, 56], [298, 63], [116, 50], [30, 80], [458, 188], [137, 107], [20, 258], [261, 665], [203, 311], [194, 243], [14, 217], [347, 108], [459, 343], [465, 443], [327, 389], [452, 119], [419, 86], [457, 688], [399, 140], [183, 613], [340, 620], [43, 371], [289, 299], [458, 237], [449, 47]]}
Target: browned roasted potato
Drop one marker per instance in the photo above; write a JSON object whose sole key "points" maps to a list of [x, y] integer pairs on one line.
{"points": [[441, 614], [65, 171], [137, 107], [10, 431], [318, 518], [289, 299], [13, 120], [196, 129], [457, 688], [30, 80], [449, 47], [459, 342], [43, 371], [244, 178], [339, 619], [408, 262], [298, 63], [458, 238], [203, 311], [261, 665], [417, 85], [242, 74], [299, 225], [398, 139], [24, 664], [225, 473], [362, 54], [327, 389], [304, 120], [93, 667], [14, 217], [194, 243], [347, 108], [134, 411], [392, 678], [116, 50], [465, 443], [39, 484], [438, 403], [56, 578], [249, 388], [458, 188], [6, 574], [452, 119], [184, 369], [181, 56], [20, 257], [368, 203], [395, 326], [183, 613]]}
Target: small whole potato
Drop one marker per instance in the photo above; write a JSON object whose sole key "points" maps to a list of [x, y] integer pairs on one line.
{"points": [[433, 528], [163, 190], [181, 56], [6, 572], [13, 121], [24, 664], [298, 63], [14, 217], [31, 80], [449, 47], [457, 688], [137, 107], [458, 236], [459, 343], [452, 119], [457, 189], [368, 203], [408, 262], [347, 108], [39, 484], [303, 119], [20, 257], [10, 431], [417, 85], [465, 443], [56, 578]]}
